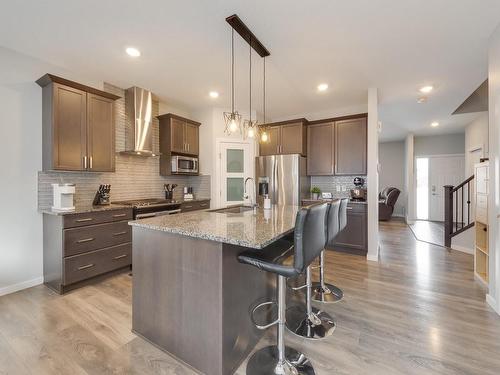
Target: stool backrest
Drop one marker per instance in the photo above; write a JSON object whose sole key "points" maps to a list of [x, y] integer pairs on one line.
{"points": [[343, 213], [310, 235], [332, 221]]}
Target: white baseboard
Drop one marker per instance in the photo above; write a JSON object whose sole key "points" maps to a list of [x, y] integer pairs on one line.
{"points": [[398, 215], [463, 249], [493, 303], [20, 286], [373, 257]]}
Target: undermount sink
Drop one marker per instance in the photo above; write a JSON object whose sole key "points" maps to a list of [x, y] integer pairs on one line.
{"points": [[233, 210]]}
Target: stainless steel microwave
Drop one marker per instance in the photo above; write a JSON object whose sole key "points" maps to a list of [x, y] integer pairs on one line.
{"points": [[184, 164]]}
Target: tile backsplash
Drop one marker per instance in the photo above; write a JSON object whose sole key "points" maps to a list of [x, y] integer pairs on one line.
{"points": [[135, 177], [330, 183]]}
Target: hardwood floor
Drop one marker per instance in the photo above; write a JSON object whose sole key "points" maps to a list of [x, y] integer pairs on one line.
{"points": [[429, 231], [417, 311]]}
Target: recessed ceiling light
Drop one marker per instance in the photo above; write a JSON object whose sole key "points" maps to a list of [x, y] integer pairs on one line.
{"points": [[134, 52], [434, 124], [426, 89], [322, 87], [422, 100], [213, 94]]}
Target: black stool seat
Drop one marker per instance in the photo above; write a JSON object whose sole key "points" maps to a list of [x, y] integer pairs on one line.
{"points": [[271, 258]]}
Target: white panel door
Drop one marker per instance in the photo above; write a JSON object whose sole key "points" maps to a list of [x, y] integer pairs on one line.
{"points": [[443, 170], [235, 166]]}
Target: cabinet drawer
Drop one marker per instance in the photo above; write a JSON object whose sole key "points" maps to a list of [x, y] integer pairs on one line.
{"points": [[90, 218], [356, 207], [193, 206], [93, 237], [85, 266]]}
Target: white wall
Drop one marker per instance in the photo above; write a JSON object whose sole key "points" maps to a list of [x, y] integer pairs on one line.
{"points": [[410, 179], [493, 296], [392, 171], [372, 175], [476, 135], [442, 144], [21, 152]]}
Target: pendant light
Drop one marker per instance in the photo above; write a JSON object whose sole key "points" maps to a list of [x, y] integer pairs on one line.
{"points": [[264, 131], [232, 119], [250, 127]]}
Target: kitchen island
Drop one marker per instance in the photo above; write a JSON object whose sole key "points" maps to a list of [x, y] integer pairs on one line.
{"points": [[191, 297]]}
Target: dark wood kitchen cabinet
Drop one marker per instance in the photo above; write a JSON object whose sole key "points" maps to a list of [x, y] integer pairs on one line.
{"points": [[289, 137], [354, 237], [78, 130], [350, 146], [320, 152], [79, 246], [178, 135], [337, 146]]}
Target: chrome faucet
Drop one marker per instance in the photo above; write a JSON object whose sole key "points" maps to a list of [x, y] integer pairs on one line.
{"points": [[247, 196]]}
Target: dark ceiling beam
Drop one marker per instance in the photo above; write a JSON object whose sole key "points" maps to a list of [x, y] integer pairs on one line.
{"points": [[242, 29]]}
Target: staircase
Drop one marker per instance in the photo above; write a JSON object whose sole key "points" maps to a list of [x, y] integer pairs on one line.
{"points": [[457, 215]]}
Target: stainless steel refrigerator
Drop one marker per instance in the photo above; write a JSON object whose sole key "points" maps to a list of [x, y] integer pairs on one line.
{"points": [[286, 177]]}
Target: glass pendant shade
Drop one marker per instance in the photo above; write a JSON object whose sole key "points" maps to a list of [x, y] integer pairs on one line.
{"points": [[233, 123]]}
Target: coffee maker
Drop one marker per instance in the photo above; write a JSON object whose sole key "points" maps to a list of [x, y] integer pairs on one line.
{"points": [[358, 193]]}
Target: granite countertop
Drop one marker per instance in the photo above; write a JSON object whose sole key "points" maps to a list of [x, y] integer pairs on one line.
{"points": [[81, 209], [248, 229]]}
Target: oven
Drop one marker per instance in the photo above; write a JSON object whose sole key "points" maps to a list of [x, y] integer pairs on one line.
{"points": [[184, 164]]}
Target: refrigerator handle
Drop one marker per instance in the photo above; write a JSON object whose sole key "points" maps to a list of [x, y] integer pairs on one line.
{"points": [[275, 184]]}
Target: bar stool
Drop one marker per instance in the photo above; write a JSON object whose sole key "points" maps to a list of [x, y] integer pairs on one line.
{"points": [[308, 242], [313, 323], [322, 291]]}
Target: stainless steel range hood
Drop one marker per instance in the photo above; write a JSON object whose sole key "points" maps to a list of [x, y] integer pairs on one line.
{"points": [[139, 122]]}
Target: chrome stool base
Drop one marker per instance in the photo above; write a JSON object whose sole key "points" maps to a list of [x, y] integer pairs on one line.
{"points": [[327, 294], [265, 362], [318, 325]]}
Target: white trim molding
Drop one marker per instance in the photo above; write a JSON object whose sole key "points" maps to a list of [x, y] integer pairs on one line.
{"points": [[20, 286], [462, 249], [493, 303]]}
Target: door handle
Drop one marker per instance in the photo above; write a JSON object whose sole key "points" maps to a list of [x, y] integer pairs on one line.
{"points": [[86, 240], [90, 162], [85, 162], [86, 266]]}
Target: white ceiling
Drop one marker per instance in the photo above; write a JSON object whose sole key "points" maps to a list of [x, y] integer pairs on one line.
{"points": [[395, 45]]}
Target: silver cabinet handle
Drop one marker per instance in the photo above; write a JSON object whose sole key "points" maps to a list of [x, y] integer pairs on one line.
{"points": [[86, 266], [349, 208], [203, 204], [90, 162], [120, 257], [84, 220], [86, 240], [119, 233], [188, 206], [119, 215], [85, 162]]}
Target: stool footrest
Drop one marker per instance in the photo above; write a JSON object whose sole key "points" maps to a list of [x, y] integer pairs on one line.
{"points": [[266, 326]]}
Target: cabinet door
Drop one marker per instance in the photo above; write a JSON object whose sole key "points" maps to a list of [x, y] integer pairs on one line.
{"points": [[320, 155], [482, 179], [354, 235], [292, 139], [350, 147], [271, 147], [100, 134], [192, 139], [177, 136], [70, 128]]}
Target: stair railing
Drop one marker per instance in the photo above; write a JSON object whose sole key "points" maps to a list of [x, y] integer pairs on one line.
{"points": [[454, 220]]}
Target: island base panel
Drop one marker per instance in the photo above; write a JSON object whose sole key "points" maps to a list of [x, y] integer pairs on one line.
{"points": [[192, 299]]}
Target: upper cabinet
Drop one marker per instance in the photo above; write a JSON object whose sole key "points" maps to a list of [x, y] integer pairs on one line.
{"points": [[337, 146], [78, 126], [350, 146], [178, 135], [320, 153], [288, 137]]}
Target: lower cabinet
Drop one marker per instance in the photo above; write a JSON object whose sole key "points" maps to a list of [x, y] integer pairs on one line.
{"points": [[80, 246], [354, 237], [196, 205]]}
